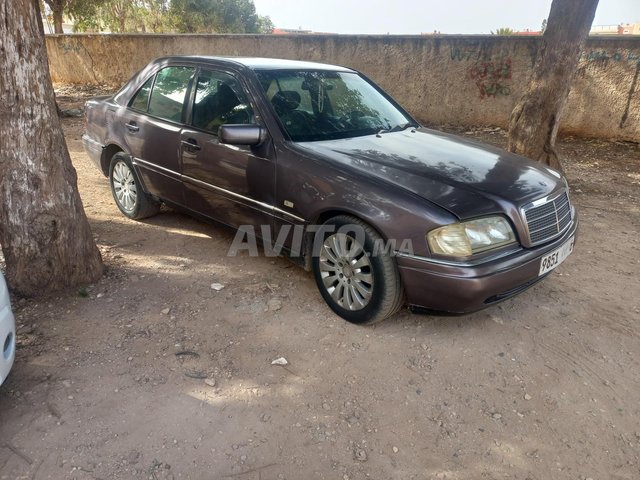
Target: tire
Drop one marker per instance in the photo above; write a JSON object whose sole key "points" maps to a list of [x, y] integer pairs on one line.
{"points": [[127, 191], [360, 287]]}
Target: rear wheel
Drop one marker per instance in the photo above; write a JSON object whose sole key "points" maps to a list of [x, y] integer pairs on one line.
{"points": [[132, 201], [359, 281]]}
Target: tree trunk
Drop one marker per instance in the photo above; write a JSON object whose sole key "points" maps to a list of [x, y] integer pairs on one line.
{"points": [[534, 121], [57, 11], [44, 233]]}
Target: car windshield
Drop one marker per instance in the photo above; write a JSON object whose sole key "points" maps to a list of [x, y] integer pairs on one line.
{"points": [[325, 105]]}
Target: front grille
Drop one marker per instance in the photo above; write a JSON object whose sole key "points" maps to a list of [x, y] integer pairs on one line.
{"points": [[548, 220]]}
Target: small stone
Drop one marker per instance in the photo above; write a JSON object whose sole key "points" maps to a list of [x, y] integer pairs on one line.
{"points": [[325, 406], [129, 359], [165, 311], [280, 361], [100, 295], [210, 381], [395, 449], [360, 455], [217, 286], [527, 396], [274, 305], [72, 112], [243, 458], [497, 416], [133, 457], [66, 383]]}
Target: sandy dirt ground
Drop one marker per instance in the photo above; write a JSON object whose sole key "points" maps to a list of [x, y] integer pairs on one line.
{"points": [[150, 373]]}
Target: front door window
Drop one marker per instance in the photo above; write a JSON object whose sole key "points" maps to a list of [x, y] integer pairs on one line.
{"points": [[220, 99]]}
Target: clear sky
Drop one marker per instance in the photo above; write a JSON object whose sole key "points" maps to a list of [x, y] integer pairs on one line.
{"points": [[425, 16]]}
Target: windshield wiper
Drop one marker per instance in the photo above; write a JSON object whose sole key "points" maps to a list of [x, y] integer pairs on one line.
{"points": [[397, 128], [404, 126]]}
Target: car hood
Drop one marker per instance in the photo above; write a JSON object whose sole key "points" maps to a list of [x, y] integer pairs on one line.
{"points": [[465, 177]]}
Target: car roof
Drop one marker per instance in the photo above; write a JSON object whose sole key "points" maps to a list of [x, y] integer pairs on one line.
{"points": [[258, 63]]}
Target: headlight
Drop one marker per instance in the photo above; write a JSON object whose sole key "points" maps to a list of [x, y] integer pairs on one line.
{"points": [[475, 236]]}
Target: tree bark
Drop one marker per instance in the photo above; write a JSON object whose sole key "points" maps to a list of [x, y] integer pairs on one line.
{"points": [[45, 236], [534, 121]]}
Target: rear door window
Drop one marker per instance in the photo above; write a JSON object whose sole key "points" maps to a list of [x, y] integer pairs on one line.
{"points": [[141, 99], [169, 93]]}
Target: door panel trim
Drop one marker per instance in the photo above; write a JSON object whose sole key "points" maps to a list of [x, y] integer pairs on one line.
{"points": [[207, 186], [157, 168], [270, 208]]}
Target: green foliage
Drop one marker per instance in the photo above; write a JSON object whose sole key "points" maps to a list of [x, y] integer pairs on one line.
{"points": [[219, 16], [121, 16], [159, 16], [503, 31]]}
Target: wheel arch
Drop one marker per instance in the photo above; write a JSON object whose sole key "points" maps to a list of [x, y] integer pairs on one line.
{"points": [[326, 215], [330, 213], [107, 154]]}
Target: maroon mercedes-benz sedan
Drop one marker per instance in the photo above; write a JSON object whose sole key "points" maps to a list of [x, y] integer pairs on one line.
{"points": [[320, 164]]}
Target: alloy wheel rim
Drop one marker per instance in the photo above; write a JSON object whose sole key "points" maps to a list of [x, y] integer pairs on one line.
{"points": [[346, 271], [124, 186]]}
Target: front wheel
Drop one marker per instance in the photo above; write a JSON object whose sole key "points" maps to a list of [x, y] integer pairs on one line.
{"points": [[132, 201], [356, 276]]}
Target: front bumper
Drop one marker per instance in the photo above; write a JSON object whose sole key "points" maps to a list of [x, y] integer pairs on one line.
{"points": [[7, 333], [448, 287]]}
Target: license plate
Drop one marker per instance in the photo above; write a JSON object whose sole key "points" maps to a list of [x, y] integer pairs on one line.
{"points": [[555, 258]]}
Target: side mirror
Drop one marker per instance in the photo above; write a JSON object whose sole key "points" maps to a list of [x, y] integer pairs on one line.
{"points": [[241, 134]]}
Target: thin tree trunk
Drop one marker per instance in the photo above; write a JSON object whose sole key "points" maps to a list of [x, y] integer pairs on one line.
{"points": [[534, 121], [57, 10], [44, 233]]}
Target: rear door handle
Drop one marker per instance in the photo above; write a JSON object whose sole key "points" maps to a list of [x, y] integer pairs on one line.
{"points": [[191, 145], [132, 127]]}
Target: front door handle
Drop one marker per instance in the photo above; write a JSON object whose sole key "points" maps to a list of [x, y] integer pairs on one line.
{"points": [[191, 145], [132, 127]]}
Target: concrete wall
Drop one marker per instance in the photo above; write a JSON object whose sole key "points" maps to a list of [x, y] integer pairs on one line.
{"points": [[461, 80]]}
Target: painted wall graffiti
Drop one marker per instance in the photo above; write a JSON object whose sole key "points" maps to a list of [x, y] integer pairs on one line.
{"points": [[465, 54], [605, 56], [492, 78], [70, 47]]}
